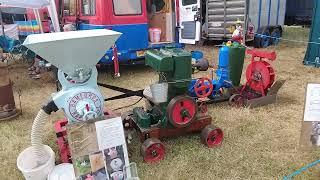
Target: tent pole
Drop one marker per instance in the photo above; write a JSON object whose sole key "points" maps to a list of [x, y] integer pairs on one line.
{"points": [[2, 25], [37, 14], [54, 15]]}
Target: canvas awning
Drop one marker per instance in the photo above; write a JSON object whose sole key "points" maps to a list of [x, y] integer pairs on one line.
{"points": [[36, 5], [32, 4]]}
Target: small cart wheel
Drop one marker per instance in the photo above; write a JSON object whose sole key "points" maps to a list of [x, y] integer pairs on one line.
{"points": [[211, 136], [152, 150], [236, 100]]}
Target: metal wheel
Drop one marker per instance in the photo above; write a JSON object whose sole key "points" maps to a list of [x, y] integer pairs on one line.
{"points": [[181, 111], [152, 150], [257, 42], [211, 136], [203, 87], [261, 75], [237, 100]]}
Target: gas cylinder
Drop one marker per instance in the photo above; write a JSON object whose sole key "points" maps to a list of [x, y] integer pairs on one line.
{"points": [[223, 57]]}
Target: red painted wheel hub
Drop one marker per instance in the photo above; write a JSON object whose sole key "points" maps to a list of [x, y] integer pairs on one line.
{"points": [[203, 87], [182, 111], [152, 150], [212, 136], [260, 75]]}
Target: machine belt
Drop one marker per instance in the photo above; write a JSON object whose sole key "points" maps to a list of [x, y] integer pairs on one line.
{"points": [[127, 92]]}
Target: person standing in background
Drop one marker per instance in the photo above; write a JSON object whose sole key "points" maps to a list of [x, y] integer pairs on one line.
{"points": [[34, 70]]}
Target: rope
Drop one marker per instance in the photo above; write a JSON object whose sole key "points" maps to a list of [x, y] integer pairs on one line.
{"points": [[284, 39], [299, 171]]}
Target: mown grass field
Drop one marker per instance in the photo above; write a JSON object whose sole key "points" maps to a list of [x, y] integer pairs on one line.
{"points": [[261, 143]]}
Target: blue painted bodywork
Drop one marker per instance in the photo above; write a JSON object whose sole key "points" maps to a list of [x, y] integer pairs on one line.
{"points": [[222, 74], [223, 58], [134, 38]]}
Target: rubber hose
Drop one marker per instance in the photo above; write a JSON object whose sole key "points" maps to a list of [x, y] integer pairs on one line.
{"points": [[36, 137]]}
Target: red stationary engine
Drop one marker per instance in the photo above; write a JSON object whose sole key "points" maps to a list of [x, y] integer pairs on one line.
{"points": [[260, 88], [260, 75]]}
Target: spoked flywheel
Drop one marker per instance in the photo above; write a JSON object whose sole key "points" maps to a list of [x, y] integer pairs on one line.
{"points": [[260, 76], [181, 111]]}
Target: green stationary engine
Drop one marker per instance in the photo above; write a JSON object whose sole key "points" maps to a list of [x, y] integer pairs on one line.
{"points": [[170, 111], [175, 70], [174, 66]]}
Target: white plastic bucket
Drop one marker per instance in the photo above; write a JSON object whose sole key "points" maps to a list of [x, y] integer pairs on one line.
{"points": [[62, 171], [28, 166], [159, 92], [155, 34]]}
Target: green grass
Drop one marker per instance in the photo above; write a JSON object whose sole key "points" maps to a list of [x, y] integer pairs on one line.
{"points": [[296, 33]]}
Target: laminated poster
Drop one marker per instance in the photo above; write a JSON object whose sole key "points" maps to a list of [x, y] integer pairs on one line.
{"points": [[310, 132], [106, 158], [312, 104]]}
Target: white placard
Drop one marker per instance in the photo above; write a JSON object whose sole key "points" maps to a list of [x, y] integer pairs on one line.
{"points": [[110, 133], [312, 104]]}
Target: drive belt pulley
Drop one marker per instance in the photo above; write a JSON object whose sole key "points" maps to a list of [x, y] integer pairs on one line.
{"points": [[181, 111]]}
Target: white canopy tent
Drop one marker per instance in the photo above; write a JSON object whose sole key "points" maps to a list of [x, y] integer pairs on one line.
{"points": [[32, 4], [36, 5]]}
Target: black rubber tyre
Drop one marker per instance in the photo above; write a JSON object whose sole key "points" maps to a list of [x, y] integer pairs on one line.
{"points": [[262, 42], [276, 34]]}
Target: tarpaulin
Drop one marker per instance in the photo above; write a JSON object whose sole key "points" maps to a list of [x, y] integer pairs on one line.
{"points": [[11, 30]]}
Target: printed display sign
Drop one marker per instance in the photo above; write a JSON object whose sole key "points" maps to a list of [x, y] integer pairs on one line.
{"points": [[98, 149], [310, 133], [312, 104]]}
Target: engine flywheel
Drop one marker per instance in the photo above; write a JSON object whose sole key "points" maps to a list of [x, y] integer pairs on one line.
{"points": [[181, 111], [260, 75]]}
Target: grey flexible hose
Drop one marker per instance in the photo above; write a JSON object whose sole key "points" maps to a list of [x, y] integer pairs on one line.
{"points": [[36, 137]]}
